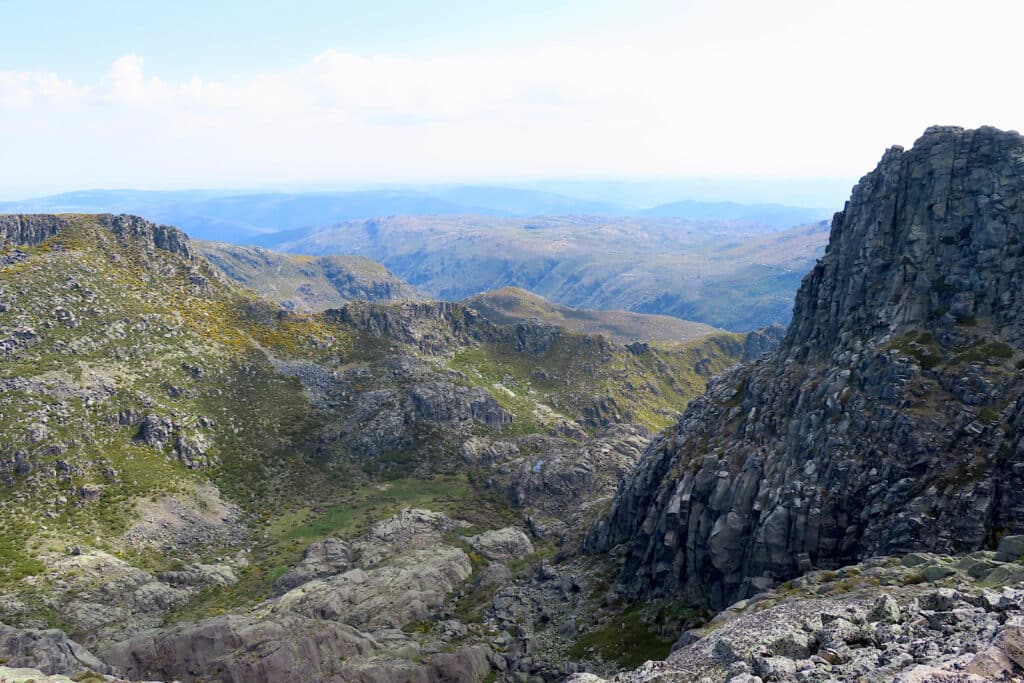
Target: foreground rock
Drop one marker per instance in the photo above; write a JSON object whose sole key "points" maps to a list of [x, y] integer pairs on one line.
{"points": [[236, 648], [105, 598], [872, 622], [23, 675]]}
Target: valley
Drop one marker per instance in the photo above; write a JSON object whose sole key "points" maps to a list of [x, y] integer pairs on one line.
{"points": [[203, 441], [227, 463]]}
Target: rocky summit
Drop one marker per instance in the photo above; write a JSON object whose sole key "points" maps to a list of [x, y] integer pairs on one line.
{"points": [[890, 418]]}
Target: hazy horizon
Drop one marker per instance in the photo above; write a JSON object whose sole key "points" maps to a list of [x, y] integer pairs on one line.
{"points": [[267, 95], [822, 193]]}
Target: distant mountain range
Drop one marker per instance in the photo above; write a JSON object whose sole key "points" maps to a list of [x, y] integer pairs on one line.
{"points": [[730, 265], [318, 283], [242, 216], [730, 275]]}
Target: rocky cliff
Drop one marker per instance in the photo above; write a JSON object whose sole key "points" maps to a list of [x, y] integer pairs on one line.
{"points": [[34, 229], [889, 420]]}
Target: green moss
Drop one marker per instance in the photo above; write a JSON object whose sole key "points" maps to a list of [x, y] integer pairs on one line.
{"points": [[15, 564], [88, 677], [913, 579], [988, 415]]}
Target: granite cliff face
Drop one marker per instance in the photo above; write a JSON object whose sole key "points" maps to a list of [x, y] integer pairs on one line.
{"points": [[889, 420]]}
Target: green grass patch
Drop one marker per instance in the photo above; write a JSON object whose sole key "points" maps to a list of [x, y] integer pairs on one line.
{"points": [[15, 564], [443, 493], [922, 348], [985, 353], [628, 640], [289, 533]]}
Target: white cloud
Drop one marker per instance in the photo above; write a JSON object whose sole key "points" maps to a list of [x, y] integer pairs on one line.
{"points": [[798, 88]]}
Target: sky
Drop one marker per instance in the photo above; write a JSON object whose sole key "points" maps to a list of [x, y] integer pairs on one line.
{"points": [[271, 94]]}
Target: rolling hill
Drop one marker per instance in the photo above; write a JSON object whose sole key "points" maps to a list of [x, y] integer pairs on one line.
{"points": [[510, 304]]}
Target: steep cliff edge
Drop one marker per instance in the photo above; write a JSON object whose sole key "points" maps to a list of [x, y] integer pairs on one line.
{"points": [[889, 420]]}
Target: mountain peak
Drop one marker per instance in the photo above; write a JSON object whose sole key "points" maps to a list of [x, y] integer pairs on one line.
{"points": [[927, 239], [890, 419]]}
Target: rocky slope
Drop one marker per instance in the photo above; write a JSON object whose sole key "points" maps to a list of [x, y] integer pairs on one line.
{"points": [[890, 419], [196, 482], [919, 618], [306, 283]]}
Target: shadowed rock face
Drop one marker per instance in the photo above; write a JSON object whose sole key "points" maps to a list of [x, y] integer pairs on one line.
{"points": [[890, 418]]}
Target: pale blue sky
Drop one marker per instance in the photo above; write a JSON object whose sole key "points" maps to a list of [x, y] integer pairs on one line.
{"points": [[189, 94], [231, 38]]}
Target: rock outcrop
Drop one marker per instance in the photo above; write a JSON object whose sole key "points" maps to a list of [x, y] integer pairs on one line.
{"points": [[236, 648], [889, 420], [307, 283], [29, 229], [340, 618], [509, 543], [33, 229]]}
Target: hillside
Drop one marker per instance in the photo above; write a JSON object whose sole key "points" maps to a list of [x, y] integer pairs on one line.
{"points": [[306, 283], [199, 483], [511, 305], [888, 423], [690, 270]]}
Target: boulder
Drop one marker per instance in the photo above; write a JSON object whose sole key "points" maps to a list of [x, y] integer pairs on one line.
{"points": [[505, 544], [1011, 549], [50, 651], [323, 558]]}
